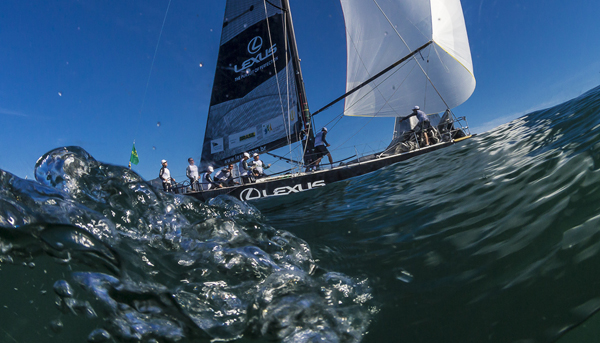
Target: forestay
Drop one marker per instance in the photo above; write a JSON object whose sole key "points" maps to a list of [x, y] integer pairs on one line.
{"points": [[381, 32], [254, 105]]}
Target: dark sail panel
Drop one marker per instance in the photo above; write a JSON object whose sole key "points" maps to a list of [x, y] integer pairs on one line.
{"points": [[254, 104]]}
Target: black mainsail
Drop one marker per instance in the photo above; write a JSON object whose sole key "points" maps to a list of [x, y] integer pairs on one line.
{"points": [[257, 94]]}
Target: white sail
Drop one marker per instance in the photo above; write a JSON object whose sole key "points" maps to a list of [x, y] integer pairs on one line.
{"points": [[381, 32]]}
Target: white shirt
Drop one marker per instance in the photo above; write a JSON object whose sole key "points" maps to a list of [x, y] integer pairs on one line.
{"points": [[258, 165], [192, 172], [166, 175], [204, 183], [243, 172]]}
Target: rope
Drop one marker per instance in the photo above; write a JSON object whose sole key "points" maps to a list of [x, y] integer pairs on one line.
{"points": [[150, 72]]}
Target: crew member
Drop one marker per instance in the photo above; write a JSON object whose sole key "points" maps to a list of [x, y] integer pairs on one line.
{"points": [[225, 176], [258, 167], [423, 123], [321, 147], [165, 176], [192, 173], [207, 182], [244, 169]]}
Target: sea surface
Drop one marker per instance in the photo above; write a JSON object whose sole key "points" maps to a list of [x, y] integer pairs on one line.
{"points": [[494, 239]]}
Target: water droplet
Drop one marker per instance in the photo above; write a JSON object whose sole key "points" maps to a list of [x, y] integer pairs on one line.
{"points": [[59, 94], [31, 265], [201, 65], [153, 148], [56, 325], [63, 289], [158, 124], [98, 335], [385, 33]]}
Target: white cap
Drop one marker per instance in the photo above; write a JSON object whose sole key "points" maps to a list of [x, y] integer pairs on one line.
{"points": [[163, 161], [416, 108], [255, 154], [210, 169], [246, 154]]}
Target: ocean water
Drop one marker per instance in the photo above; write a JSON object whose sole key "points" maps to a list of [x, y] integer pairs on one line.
{"points": [[494, 239]]}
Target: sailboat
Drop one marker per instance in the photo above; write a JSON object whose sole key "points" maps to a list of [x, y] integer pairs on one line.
{"points": [[400, 54]]}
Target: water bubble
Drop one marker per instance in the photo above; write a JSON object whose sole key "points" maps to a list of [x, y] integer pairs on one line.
{"points": [[158, 124], [63, 289], [56, 325], [153, 148], [59, 94], [98, 335], [201, 65]]}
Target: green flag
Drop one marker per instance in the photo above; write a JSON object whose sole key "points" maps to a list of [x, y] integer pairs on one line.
{"points": [[134, 157]]}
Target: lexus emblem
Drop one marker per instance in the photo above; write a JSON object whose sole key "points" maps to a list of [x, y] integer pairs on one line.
{"points": [[250, 194], [255, 45]]}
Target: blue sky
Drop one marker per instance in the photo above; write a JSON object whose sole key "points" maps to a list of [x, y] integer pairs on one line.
{"points": [[79, 73]]}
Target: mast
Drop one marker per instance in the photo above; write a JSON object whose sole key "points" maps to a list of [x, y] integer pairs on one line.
{"points": [[305, 112]]}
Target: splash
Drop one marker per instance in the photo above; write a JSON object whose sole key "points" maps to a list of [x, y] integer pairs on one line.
{"points": [[156, 266]]}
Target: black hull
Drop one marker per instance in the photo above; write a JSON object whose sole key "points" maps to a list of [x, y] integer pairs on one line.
{"points": [[289, 184]]}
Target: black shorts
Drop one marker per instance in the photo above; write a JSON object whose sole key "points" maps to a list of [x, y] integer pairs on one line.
{"points": [[321, 151], [426, 125]]}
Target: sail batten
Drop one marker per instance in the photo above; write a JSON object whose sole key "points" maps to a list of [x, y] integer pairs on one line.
{"points": [[254, 103], [379, 32]]}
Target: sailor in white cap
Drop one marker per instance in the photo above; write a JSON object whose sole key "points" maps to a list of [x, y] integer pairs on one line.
{"points": [[258, 167], [192, 173], [165, 176], [321, 147], [244, 169], [207, 182]]}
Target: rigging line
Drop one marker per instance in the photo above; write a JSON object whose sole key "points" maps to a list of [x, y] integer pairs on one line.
{"points": [[392, 66], [341, 115], [416, 59], [367, 123], [275, 69], [270, 3], [150, 72]]}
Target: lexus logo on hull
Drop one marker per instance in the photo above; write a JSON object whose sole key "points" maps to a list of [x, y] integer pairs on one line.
{"points": [[255, 45], [253, 193]]}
